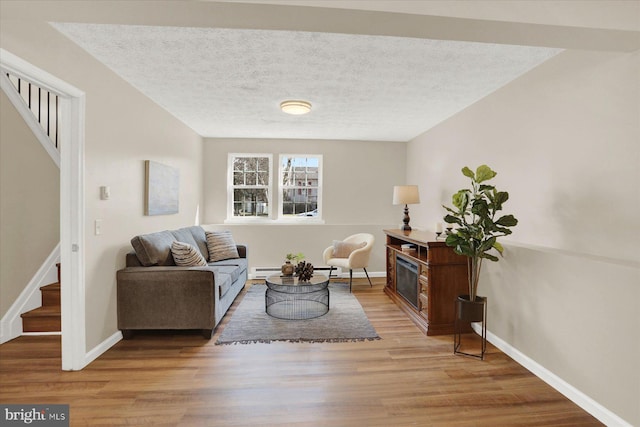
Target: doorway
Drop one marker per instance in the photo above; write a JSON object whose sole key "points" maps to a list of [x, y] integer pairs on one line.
{"points": [[72, 251]]}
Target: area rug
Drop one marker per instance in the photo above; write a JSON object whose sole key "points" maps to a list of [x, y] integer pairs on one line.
{"points": [[345, 321]]}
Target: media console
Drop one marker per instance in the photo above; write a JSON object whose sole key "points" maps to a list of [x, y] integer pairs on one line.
{"points": [[425, 280]]}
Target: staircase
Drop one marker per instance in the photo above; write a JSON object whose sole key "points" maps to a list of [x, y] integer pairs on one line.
{"points": [[47, 317]]}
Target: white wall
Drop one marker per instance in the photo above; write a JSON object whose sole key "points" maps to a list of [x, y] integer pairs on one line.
{"points": [[358, 182], [564, 140], [123, 129]]}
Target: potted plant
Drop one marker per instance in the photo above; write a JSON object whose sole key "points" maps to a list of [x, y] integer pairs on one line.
{"points": [[478, 225], [288, 268]]}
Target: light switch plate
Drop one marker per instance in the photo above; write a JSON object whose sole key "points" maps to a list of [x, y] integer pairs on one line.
{"points": [[105, 192]]}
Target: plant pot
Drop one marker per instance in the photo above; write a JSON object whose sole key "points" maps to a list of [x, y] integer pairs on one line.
{"points": [[471, 311], [287, 269]]}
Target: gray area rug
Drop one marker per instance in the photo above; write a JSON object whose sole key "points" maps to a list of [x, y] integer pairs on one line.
{"points": [[345, 321]]}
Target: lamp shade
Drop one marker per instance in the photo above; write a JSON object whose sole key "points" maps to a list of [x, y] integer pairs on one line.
{"points": [[406, 195]]}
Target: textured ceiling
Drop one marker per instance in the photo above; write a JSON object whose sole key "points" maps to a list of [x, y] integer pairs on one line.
{"points": [[229, 83]]}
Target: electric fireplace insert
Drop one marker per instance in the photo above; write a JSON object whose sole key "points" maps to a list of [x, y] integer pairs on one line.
{"points": [[407, 280]]}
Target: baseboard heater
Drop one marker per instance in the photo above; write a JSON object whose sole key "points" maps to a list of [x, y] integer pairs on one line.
{"points": [[264, 272]]}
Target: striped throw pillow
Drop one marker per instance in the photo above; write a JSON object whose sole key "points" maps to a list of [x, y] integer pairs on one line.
{"points": [[186, 255], [221, 246]]}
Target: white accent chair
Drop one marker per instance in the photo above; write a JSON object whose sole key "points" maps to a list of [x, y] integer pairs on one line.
{"points": [[358, 258]]}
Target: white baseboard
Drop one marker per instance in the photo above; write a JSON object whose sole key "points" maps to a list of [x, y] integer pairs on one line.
{"points": [[105, 345], [30, 297], [594, 408]]}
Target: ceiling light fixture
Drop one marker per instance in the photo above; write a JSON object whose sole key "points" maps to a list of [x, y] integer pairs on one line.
{"points": [[295, 107]]}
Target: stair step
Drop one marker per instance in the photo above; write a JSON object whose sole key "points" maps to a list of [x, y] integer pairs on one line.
{"points": [[51, 295], [41, 319]]}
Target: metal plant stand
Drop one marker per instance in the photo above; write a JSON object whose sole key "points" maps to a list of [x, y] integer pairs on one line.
{"points": [[466, 312]]}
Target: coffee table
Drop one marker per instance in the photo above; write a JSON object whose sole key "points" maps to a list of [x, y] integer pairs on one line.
{"points": [[288, 298]]}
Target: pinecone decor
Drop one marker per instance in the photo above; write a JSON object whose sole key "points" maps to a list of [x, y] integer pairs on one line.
{"points": [[304, 271]]}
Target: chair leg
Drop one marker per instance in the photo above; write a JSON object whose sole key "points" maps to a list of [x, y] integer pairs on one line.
{"points": [[350, 279], [330, 271], [365, 272]]}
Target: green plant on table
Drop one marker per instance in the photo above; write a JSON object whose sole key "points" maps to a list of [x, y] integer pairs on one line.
{"points": [[295, 258], [474, 214]]}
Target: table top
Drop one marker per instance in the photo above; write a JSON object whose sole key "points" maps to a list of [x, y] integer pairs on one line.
{"points": [[279, 282]]}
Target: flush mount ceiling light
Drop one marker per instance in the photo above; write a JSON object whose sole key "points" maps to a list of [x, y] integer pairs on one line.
{"points": [[295, 107]]}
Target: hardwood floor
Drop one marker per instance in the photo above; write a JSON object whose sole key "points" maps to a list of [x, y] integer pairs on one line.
{"points": [[180, 379]]}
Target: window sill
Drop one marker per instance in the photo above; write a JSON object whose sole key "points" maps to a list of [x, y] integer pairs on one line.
{"points": [[278, 221]]}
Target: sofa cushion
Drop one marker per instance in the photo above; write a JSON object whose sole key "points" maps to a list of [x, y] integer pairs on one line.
{"points": [[221, 245], [224, 282], [186, 255], [154, 248], [240, 263], [231, 270]]}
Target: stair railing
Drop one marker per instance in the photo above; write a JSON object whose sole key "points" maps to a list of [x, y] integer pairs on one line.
{"points": [[42, 103]]}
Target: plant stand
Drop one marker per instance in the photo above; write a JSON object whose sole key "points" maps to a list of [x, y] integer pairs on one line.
{"points": [[466, 312]]}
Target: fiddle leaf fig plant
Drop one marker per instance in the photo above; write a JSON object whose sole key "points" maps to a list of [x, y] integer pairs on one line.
{"points": [[477, 223]]}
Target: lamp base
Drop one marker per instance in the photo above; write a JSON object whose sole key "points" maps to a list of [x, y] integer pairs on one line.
{"points": [[405, 220]]}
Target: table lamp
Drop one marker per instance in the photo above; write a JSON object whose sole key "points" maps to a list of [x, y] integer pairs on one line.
{"points": [[406, 195]]}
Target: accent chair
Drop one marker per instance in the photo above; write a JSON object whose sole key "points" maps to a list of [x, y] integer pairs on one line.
{"points": [[352, 252]]}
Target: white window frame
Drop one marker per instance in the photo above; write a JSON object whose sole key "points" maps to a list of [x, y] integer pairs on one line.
{"points": [[230, 187], [303, 219]]}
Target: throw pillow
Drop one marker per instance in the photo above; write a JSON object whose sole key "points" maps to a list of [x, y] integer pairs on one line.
{"points": [[186, 255], [221, 246], [344, 249]]}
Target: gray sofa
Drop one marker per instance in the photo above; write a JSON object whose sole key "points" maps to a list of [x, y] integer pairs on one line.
{"points": [[154, 293]]}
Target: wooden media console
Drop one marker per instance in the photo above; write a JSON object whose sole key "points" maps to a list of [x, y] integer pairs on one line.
{"points": [[425, 280]]}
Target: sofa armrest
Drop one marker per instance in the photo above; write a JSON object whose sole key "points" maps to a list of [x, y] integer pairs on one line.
{"points": [[132, 260], [166, 298], [242, 251]]}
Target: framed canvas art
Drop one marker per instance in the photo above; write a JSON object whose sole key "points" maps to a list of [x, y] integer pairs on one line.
{"points": [[162, 184]]}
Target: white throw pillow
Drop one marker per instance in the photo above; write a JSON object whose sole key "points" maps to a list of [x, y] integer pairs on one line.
{"points": [[344, 249], [221, 246], [186, 255]]}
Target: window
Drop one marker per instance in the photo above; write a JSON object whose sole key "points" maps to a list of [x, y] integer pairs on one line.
{"points": [[300, 186], [249, 185]]}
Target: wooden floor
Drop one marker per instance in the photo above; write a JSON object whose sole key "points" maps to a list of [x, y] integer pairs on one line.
{"points": [[180, 379]]}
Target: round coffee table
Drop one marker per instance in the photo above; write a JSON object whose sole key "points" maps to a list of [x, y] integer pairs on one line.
{"points": [[288, 298]]}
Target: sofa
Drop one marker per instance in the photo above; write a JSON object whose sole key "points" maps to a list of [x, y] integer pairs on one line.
{"points": [[153, 292]]}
